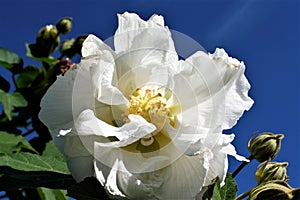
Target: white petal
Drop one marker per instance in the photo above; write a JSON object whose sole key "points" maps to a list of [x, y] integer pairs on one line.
{"points": [[81, 167], [94, 46], [88, 124], [143, 75], [158, 19], [218, 166], [134, 160], [56, 105], [120, 181], [182, 179], [101, 70], [73, 146], [134, 34], [237, 87], [59, 140], [198, 79], [186, 138], [66, 98], [237, 101], [217, 162], [228, 148], [217, 92], [108, 178], [79, 160], [131, 132], [92, 130]]}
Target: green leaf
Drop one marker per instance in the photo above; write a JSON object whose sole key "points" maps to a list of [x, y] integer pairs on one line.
{"points": [[12, 179], [50, 194], [27, 76], [88, 189], [10, 143], [9, 101], [40, 59], [10, 60], [227, 192], [52, 151], [32, 162]]}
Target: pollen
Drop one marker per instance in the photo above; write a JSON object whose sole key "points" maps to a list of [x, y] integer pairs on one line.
{"points": [[152, 106]]}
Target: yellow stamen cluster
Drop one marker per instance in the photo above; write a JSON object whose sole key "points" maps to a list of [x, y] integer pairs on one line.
{"points": [[151, 105]]}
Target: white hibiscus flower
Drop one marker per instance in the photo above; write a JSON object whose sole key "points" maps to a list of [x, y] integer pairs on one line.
{"points": [[144, 123]]}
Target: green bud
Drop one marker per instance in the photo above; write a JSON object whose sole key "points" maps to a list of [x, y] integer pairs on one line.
{"points": [[67, 48], [64, 25], [47, 32], [272, 190], [268, 171], [78, 43], [47, 41], [265, 146]]}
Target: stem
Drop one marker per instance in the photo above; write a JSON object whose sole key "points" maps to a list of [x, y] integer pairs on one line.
{"points": [[243, 195], [242, 166]]}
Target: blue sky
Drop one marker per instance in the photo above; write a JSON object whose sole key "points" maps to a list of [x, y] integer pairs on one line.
{"points": [[264, 34]]}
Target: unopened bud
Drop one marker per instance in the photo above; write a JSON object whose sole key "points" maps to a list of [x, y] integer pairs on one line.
{"points": [[272, 190], [265, 146], [47, 41], [78, 43], [67, 48], [47, 32], [268, 171], [64, 25]]}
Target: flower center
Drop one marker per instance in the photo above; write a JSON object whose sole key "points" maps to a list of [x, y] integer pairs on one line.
{"points": [[151, 105]]}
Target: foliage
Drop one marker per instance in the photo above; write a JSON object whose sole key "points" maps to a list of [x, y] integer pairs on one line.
{"points": [[216, 192], [31, 167]]}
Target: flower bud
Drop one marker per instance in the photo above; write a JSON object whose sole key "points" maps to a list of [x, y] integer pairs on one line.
{"points": [[47, 41], [67, 48], [64, 25], [78, 43], [267, 171], [47, 32], [265, 146], [272, 190]]}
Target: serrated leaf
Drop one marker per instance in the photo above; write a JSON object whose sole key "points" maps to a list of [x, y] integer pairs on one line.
{"points": [[9, 101], [10, 60], [27, 76], [52, 150], [227, 192], [40, 59], [88, 189], [216, 193], [51, 194], [10, 143], [32, 162]]}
